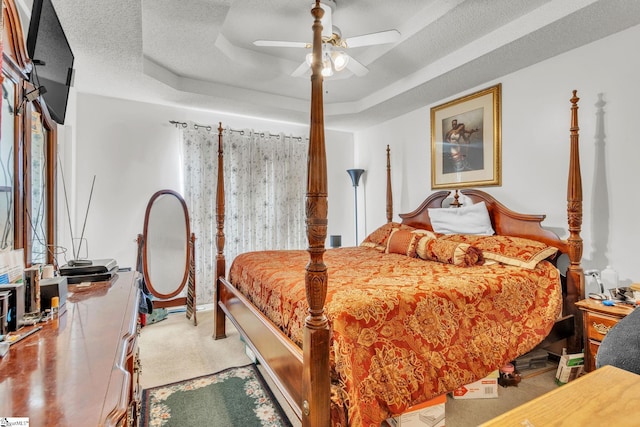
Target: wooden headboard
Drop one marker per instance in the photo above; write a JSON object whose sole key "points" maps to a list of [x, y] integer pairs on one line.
{"points": [[504, 220]]}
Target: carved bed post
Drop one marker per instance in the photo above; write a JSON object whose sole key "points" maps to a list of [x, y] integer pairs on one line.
{"points": [[389, 193], [315, 372], [219, 324], [575, 274]]}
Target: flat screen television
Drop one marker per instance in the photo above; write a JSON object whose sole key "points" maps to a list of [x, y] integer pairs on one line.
{"points": [[49, 49]]}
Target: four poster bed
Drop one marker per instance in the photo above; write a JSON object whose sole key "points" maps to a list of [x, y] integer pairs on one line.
{"points": [[410, 314]]}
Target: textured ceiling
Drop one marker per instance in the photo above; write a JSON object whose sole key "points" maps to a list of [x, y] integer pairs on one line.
{"points": [[200, 53]]}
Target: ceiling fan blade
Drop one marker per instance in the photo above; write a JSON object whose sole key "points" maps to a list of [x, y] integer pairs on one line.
{"points": [[356, 67], [300, 70], [382, 37], [326, 21], [279, 43]]}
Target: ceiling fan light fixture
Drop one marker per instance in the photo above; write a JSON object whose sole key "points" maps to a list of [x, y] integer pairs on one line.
{"points": [[339, 59], [328, 61], [327, 69]]}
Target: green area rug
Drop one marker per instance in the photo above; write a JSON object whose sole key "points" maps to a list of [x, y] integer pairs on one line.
{"points": [[233, 397]]}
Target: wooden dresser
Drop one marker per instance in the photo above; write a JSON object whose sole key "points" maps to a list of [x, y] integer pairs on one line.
{"points": [[81, 368], [597, 320]]}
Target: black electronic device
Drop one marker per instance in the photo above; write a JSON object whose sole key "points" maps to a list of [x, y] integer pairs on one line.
{"points": [[53, 287], [15, 313], [48, 47], [97, 266], [92, 277], [4, 310], [79, 262], [31, 280]]}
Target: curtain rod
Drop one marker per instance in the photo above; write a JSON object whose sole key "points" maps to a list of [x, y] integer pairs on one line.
{"points": [[195, 125], [240, 131]]}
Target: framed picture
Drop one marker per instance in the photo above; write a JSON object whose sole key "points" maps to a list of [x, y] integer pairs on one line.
{"points": [[466, 141]]}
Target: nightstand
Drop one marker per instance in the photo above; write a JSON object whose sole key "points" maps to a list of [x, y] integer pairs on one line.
{"points": [[597, 320]]}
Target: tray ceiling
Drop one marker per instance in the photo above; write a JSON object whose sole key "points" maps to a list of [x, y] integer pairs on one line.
{"points": [[200, 53]]}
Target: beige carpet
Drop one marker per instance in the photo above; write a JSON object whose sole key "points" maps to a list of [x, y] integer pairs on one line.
{"points": [[472, 412], [173, 349]]}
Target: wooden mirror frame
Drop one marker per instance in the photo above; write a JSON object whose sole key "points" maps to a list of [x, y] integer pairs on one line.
{"points": [[16, 66], [170, 299], [49, 154]]}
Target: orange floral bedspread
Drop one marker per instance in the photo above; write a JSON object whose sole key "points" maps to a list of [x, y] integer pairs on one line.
{"points": [[404, 329]]}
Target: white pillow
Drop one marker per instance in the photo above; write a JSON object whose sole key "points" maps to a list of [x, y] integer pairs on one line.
{"points": [[472, 219]]}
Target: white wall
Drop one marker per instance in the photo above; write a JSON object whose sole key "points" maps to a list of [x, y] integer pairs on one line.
{"points": [[535, 149], [133, 151]]}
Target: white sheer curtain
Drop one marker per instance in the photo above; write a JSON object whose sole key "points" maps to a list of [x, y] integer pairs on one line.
{"points": [[265, 185]]}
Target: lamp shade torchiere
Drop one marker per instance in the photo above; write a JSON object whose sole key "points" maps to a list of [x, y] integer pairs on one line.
{"points": [[355, 175]]}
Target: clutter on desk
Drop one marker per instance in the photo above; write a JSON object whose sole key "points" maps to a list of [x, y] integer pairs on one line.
{"points": [[30, 295], [97, 270], [624, 295]]}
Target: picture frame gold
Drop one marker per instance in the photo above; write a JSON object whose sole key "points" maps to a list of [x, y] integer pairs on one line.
{"points": [[466, 141]]}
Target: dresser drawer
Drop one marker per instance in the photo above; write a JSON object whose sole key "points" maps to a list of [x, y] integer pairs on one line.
{"points": [[597, 321], [599, 325], [593, 351]]}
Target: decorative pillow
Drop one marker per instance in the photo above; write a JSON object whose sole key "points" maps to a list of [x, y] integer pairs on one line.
{"points": [[404, 242], [508, 250], [378, 238], [472, 219], [449, 252]]}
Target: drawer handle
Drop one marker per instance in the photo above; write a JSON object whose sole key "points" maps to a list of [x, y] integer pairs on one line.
{"points": [[601, 328]]}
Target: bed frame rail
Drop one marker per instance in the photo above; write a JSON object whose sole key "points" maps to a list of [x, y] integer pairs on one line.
{"points": [[279, 356]]}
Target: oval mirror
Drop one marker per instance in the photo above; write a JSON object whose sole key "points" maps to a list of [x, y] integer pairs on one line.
{"points": [[166, 244]]}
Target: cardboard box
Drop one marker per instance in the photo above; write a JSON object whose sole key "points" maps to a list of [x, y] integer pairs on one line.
{"points": [[426, 414], [250, 354], [247, 350], [569, 367], [485, 388]]}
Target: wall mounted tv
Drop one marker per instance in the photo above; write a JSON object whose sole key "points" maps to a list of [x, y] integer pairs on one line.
{"points": [[49, 49]]}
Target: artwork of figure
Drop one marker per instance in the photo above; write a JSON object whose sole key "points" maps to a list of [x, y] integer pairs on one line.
{"points": [[463, 142]]}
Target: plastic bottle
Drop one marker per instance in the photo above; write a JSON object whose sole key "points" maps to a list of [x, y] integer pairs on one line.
{"points": [[609, 278]]}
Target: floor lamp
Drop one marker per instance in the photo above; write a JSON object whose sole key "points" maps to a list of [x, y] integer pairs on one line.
{"points": [[355, 178]]}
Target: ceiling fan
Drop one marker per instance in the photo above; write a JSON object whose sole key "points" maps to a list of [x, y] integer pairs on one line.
{"points": [[334, 58]]}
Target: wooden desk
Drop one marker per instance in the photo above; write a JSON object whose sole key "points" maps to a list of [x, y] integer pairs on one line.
{"points": [[80, 369], [607, 396]]}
